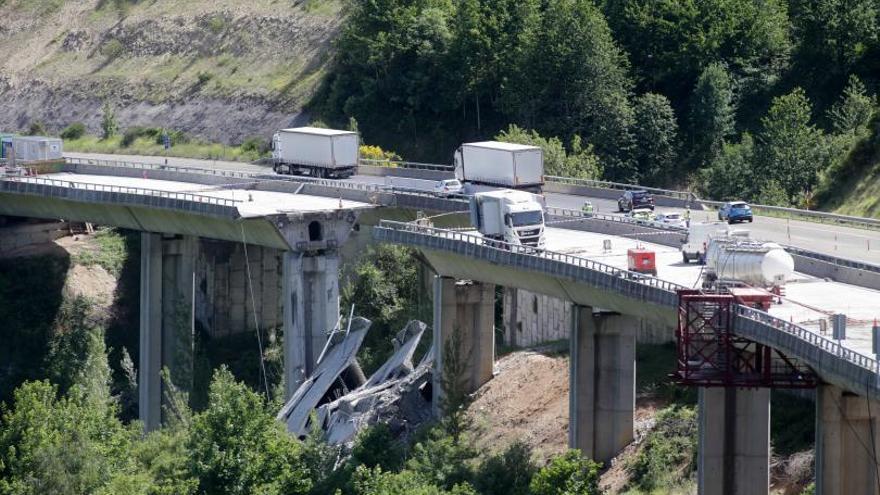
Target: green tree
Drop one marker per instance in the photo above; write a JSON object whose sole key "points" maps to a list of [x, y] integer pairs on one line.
{"points": [[568, 474], [237, 446], [77, 355], [68, 445], [581, 162], [109, 124], [384, 288], [574, 80], [375, 482], [671, 41], [852, 114], [834, 34], [656, 134], [507, 473], [790, 149], [730, 176], [442, 460], [712, 115], [668, 453]]}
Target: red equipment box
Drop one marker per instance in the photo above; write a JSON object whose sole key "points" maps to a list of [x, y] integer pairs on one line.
{"points": [[641, 260]]}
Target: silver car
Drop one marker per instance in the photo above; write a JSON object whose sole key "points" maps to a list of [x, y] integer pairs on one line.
{"points": [[447, 187]]}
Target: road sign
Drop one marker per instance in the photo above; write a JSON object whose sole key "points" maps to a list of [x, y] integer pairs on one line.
{"points": [[166, 141]]}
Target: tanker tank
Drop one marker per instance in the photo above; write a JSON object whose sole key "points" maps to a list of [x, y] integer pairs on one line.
{"points": [[760, 264]]}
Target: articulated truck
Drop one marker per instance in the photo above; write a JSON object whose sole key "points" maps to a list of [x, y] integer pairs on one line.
{"points": [[492, 164], [321, 153], [511, 217]]}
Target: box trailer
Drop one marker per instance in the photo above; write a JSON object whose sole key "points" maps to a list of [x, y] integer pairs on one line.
{"points": [[499, 164], [315, 152]]}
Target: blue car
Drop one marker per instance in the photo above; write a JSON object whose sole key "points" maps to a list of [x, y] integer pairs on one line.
{"points": [[735, 211]]}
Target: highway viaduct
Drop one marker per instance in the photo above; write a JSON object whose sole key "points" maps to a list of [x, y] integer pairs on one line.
{"points": [[175, 209]]}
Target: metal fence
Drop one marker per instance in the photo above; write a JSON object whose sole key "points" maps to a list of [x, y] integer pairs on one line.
{"points": [[602, 184], [158, 166], [30, 185]]}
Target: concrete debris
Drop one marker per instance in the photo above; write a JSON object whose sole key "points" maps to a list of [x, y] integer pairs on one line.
{"points": [[397, 394], [338, 358]]}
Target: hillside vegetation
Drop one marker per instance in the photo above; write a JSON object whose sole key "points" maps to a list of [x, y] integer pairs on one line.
{"points": [[221, 70], [752, 99]]}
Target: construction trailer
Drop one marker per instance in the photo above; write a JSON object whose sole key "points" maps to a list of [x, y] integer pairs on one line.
{"points": [[35, 149]]}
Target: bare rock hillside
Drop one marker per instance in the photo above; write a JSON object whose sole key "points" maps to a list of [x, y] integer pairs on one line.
{"points": [[221, 70]]}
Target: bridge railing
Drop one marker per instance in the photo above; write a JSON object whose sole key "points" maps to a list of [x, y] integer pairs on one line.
{"points": [[159, 166], [478, 240], [28, 185], [578, 214], [814, 339], [763, 318]]}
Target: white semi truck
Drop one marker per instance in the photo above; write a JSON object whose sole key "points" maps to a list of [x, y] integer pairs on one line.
{"points": [[493, 164], [513, 217], [322, 153]]}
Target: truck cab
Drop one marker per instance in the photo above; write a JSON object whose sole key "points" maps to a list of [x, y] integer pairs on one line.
{"points": [[512, 217], [697, 240]]}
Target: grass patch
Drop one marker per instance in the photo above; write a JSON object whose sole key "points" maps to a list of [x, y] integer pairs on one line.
{"points": [[667, 458], [110, 254], [148, 146]]}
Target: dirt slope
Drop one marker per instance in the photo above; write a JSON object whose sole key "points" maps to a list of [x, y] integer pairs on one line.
{"points": [[218, 69]]}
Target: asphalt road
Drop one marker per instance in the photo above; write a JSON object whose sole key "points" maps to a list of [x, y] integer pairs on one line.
{"points": [[846, 242]]}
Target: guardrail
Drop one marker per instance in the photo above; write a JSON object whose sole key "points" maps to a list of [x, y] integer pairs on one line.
{"points": [[403, 164], [25, 186], [577, 214], [158, 166], [602, 184]]}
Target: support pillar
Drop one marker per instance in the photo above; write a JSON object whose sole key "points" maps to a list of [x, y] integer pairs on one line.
{"points": [[602, 382], [464, 314], [734, 441], [166, 320], [310, 289], [847, 443]]}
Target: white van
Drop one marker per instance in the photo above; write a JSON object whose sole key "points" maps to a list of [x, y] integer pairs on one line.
{"points": [[694, 246]]}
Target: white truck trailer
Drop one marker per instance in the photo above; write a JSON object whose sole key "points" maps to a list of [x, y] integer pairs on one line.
{"points": [[322, 153], [494, 164], [513, 217]]}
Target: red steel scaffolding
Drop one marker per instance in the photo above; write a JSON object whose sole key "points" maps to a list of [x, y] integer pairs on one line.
{"points": [[710, 354]]}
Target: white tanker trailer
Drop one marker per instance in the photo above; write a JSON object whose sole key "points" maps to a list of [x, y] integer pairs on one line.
{"points": [[729, 259]]}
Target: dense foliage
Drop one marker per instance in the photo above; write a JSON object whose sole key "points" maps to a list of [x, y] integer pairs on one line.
{"points": [[759, 99]]}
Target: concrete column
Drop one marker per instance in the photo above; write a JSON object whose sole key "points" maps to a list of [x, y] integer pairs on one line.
{"points": [[847, 443], [734, 442], [602, 382], [166, 320], [310, 289], [150, 362], [464, 315]]}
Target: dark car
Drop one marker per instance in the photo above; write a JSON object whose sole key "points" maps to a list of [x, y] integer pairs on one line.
{"points": [[632, 200], [735, 211]]}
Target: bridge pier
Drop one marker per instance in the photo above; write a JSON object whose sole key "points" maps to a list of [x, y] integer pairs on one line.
{"points": [[847, 441], [464, 320], [734, 441], [310, 294], [602, 382], [166, 320]]}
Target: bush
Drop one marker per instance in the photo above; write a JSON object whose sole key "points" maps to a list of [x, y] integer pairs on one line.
{"points": [[507, 473], [669, 451], [376, 446], [75, 130], [176, 137], [256, 145], [203, 77], [570, 474], [133, 133], [36, 129], [112, 49], [369, 152]]}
